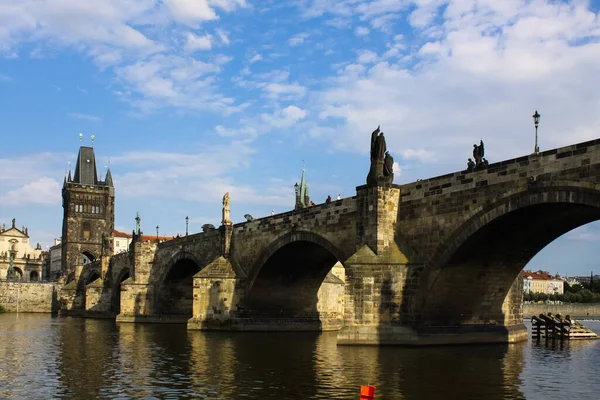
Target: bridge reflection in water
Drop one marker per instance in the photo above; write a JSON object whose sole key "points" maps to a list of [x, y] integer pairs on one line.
{"points": [[47, 357]]}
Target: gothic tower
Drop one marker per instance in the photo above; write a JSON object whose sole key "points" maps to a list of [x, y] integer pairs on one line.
{"points": [[89, 214]]}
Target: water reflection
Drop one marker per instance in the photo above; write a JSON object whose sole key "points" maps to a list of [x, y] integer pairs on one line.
{"points": [[46, 357]]}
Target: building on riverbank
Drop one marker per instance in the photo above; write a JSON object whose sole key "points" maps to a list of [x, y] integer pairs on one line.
{"points": [[17, 254], [542, 282]]}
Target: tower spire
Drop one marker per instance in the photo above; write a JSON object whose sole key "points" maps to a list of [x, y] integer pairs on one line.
{"points": [[302, 195]]}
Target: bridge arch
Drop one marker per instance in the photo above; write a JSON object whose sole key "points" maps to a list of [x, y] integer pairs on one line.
{"points": [[174, 285], [288, 273], [468, 279], [119, 277], [90, 274]]}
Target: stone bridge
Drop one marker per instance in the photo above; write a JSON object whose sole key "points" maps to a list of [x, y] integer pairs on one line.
{"points": [[429, 262]]}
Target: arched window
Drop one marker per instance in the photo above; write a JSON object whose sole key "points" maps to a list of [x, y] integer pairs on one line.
{"points": [[34, 276]]}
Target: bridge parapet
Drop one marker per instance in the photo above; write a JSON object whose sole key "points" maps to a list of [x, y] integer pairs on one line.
{"points": [[575, 162]]}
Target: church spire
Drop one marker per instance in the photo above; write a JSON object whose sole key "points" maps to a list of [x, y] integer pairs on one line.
{"points": [[302, 194]]}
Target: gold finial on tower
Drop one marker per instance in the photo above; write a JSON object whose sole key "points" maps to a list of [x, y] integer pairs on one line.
{"points": [[81, 137], [93, 137]]}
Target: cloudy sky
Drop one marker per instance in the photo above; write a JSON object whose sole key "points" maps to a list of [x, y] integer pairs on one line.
{"points": [[192, 98]]}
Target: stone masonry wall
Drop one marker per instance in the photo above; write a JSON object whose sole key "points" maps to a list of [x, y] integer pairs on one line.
{"points": [[335, 222], [433, 214], [29, 297], [431, 209], [575, 310]]}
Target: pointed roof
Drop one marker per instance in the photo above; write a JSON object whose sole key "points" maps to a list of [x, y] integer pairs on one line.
{"points": [[85, 169], [69, 179], [303, 189], [108, 180]]}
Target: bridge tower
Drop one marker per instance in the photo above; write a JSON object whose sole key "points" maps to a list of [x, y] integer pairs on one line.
{"points": [[89, 214]]}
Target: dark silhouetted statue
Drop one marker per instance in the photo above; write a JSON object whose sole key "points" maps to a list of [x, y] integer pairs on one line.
{"points": [[382, 163]]}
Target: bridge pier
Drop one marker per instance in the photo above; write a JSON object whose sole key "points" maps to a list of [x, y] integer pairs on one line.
{"points": [[218, 290], [98, 300], [137, 300], [72, 295], [375, 286], [377, 274]]}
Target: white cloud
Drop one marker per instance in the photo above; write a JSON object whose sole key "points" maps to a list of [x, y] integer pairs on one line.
{"points": [[193, 12], [200, 177], [361, 31], [175, 81], [194, 43], [41, 191], [5, 78], [367, 57], [247, 131], [128, 35], [284, 118], [256, 57], [493, 65], [222, 35], [288, 91], [419, 154], [297, 39]]}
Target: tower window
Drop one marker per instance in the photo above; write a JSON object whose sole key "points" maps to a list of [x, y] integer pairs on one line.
{"points": [[85, 230]]}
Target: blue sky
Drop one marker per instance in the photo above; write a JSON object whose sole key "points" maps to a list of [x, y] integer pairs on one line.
{"points": [[193, 98]]}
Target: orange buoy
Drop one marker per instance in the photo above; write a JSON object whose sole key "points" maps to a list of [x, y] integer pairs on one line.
{"points": [[367, 392]]}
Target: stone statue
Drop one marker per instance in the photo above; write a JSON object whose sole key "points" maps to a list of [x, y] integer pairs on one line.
{"points": [[377, 172], [480, 162], [388, 167], [478, 152], [208, 227], [14, 222], [226, 218], [137, 223], [249, 218], [470, 165]]}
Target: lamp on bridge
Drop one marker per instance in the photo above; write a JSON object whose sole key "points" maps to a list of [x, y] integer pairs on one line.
{"points": [[156, 233], [536, 122], [187, 220]]}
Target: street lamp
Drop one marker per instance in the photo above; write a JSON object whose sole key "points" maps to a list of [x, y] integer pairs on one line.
{"points": [[536, 122], [156, 233], [187, 220]]}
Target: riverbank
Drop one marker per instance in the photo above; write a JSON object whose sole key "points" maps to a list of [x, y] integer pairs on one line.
{"points": [[575, 310], [33, 297]]}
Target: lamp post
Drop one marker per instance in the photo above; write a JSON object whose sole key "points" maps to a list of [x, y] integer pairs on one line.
{"points": [[187, 220], [536, 122], [156, 233]]}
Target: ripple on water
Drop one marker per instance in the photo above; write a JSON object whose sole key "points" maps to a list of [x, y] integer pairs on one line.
{"points": [[45, 357]]}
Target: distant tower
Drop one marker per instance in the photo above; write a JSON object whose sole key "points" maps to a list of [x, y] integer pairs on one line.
{"points": [[89, 213], [302, 196]]}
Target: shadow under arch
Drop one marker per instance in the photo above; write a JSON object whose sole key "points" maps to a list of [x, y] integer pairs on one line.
{"points": [[90, 275], [89, 256], [174, 286], [286, 277], [468, 279], [115, 304]]}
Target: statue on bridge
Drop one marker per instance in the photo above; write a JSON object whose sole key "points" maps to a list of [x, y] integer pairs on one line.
{"points": [[382, 163], [480, 162], [208, 227], [226, 217]]}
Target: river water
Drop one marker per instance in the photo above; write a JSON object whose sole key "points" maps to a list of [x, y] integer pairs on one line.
{"points": [[44, 357]]}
